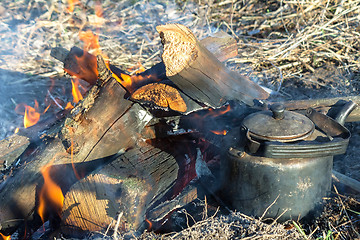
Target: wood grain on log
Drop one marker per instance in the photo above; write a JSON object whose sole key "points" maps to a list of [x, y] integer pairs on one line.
{"points": [[127, 185], [197, 72]]}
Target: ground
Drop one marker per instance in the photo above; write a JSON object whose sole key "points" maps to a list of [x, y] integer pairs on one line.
{"points": [[299, 49]]}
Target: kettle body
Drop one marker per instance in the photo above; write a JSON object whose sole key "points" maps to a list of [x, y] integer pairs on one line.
{"points": [[282, 189]]}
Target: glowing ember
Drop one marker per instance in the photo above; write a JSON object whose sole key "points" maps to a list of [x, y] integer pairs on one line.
{"points": [[16, 130], [32, 115], [75, 91], [3, 237], [149, 224], [50, 194], [223, 132]]}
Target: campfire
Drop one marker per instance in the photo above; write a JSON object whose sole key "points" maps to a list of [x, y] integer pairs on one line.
{"points": [[148, 149]]}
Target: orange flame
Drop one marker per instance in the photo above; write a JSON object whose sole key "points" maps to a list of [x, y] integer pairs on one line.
{"points": [[71, 5], [32, 115], [98, 9], [3, 237], [50, 194], [141, 69], [149, 224], [214, 113], [125, 80], [223, 132], [91, 42], [75, 91], [69, 106]]}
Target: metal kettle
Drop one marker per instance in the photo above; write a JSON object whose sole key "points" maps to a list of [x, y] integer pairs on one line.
{"points": [[282, 169]]}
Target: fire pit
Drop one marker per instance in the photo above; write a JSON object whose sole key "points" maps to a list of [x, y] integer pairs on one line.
{"points": [[145, 150]]}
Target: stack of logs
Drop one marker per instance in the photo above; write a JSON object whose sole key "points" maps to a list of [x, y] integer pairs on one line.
{"points": [[131, 151]]}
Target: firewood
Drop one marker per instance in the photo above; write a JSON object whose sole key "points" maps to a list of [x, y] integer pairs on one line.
{"points": [[197, 72], [128, 185], [222, 45], [82, 64], [11, 148], [103, 124], [162, 95]]}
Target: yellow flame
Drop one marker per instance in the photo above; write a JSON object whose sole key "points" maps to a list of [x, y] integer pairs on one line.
{"points": [[75, 92], [50, 194], [32, 115], [3, 237]]}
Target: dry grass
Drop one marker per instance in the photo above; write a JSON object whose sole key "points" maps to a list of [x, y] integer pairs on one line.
{"points": [[299, 48]]}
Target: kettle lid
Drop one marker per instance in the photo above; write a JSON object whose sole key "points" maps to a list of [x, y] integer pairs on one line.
{"points": [[277, 124]]}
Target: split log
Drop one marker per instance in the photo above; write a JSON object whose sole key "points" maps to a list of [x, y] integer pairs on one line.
{"points": [[144, 185], [82, 64], [103, 124], [126, 186], [197, 72], [11, 148]]}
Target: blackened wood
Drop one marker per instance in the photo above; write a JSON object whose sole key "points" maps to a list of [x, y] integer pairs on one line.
{"points": [[104, 123]]}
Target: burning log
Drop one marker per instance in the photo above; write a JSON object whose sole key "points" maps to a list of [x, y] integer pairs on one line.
{"points": [[199, 74], [127, 186], [82, 137], [111, 174]]}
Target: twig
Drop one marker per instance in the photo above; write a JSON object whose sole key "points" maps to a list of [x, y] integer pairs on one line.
{"points": [[117, 226]]}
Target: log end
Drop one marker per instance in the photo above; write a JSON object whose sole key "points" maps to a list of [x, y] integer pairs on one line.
{"points": [[161, 95], [179, 47]]}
